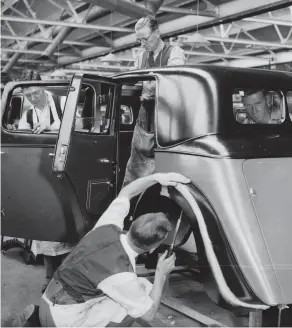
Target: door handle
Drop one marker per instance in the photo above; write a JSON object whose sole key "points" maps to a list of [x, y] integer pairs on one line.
{"points": [[51, 154], [3, 152]]}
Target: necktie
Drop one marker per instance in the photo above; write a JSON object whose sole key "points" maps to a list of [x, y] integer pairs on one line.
{"points": [[151, 59]]}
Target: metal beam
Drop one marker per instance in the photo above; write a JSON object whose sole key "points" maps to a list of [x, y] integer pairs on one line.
{"points": [[187, 11], [49, 51], [233, 10], [270, 21], [98, 73], [11, 62], [33, 52], [280, 58], [7, 5], [249, 42], [220, 55], [124, 7], [101, 66], [66, 24], [32, 61], [44, 40], [33, 14], [246, 27]]}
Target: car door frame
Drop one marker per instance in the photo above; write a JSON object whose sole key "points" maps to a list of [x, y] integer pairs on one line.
{"points": [[63, 145], [27, 140]]}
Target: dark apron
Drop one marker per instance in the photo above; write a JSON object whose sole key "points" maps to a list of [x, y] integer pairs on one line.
{"points": [[141, 162]]}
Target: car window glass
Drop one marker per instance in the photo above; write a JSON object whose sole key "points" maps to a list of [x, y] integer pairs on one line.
{"points": [[94, 107], [289, 103], [35, 109], [258, 106]]}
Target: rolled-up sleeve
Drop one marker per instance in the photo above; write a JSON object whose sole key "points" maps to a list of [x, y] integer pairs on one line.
{"points": [[116, 213], [130, 291], [177, 57], [23, 124]]}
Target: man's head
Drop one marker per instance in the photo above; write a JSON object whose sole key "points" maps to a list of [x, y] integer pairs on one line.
{"points": [[147, 33], [36, 95], [256, 105], [59, 75], [149, 231]]}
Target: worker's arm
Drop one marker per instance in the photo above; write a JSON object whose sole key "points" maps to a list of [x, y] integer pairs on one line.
{"points": [[115, 214], [119, 208], [177, 57], [23, 124], [165, 179], [163, 269], [137, 295]]}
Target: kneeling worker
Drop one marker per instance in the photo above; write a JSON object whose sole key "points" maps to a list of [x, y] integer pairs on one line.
{"points": [[96, 286]]}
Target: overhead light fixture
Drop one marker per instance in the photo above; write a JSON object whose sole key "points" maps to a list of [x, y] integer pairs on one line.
{"points": [[197, 40], [110, 58]]}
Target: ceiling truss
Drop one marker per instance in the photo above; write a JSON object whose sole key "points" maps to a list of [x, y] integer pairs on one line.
{"points": [[75, 35]]}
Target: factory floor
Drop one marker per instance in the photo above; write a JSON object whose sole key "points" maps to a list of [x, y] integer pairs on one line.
{"points": [[20, 284]]}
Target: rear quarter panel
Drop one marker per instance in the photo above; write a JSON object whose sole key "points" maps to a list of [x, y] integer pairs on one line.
{"points": [[224, 184]]}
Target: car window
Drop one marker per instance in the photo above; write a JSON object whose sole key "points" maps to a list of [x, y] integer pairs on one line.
{"points": [[289, 103], [35, 106], [94, 108], [258, 106]]}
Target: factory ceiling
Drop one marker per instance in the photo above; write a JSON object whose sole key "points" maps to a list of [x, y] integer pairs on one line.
{"points": [[98, 35]]}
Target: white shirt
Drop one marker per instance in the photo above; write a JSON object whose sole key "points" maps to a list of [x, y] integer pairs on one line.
{"points": [[176, 57], [126, 294], [43, 116]]}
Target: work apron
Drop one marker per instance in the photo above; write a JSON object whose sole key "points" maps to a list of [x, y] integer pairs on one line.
{"points": [[141, 162], [59, 309]]}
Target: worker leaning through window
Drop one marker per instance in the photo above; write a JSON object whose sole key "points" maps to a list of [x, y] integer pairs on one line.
{"points": [[156, 53], [96, 285]]}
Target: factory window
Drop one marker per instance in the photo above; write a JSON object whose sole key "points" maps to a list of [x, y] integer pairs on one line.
{"points": [[258, 106]]}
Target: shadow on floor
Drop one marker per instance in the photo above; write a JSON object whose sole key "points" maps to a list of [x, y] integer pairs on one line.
{"points": [[20, 284]]}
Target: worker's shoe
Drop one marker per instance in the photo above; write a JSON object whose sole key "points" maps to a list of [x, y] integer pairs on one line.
{"points": [[28, 318]]}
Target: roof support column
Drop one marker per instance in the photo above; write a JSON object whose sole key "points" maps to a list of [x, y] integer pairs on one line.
{"points": [[57, 41], [11, 62]]}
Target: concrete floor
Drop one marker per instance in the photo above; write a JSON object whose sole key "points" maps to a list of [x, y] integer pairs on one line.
{"points": [[20, 284]]}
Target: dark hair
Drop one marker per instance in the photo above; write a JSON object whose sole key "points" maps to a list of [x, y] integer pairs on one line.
{"points": [[249, 92], [30, 75], [149, 21], [149, 229]]}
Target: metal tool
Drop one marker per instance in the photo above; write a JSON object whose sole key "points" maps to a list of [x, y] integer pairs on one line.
{"points": [[170, 250]]}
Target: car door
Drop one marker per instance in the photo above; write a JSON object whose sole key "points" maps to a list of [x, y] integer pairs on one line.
{"points": [[85, 158], [37, 203], [33, 203]]}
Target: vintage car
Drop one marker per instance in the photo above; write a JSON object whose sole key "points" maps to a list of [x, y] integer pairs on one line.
{"points": [[229, 130]]}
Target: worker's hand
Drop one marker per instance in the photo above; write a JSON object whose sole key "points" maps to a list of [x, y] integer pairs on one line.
{"points": [[165, 265], [149, 88], [170, 179], [39, 128]]}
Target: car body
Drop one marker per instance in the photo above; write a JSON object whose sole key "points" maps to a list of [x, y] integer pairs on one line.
{"points": [[55, 186]]}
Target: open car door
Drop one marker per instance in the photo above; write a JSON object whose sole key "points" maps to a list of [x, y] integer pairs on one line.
{"points": [[85, 156]]}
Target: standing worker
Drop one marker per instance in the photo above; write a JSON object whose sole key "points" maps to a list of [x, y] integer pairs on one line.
{"points": [[156, 54], [96, 285]]}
